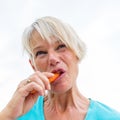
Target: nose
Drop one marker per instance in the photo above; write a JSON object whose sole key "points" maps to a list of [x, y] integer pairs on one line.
{"points": [[53, 59]]}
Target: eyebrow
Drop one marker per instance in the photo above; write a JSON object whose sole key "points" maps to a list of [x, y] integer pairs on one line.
{"points": [[37, 47], [40, 46]]}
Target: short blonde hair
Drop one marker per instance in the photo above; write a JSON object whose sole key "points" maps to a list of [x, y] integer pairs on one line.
{"points": [[50, 26]]}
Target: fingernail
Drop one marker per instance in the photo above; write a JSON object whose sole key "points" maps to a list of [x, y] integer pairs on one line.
{"points": [[49, 87], [42, 93]]}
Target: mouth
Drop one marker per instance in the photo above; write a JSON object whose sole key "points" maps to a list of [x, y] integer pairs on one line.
{"points": [[58, 71]]}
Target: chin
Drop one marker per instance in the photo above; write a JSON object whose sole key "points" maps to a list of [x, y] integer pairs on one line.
{"points": [[60, 90]]}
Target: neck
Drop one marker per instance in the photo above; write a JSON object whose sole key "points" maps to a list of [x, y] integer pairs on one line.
{"points": [[65, 101]]}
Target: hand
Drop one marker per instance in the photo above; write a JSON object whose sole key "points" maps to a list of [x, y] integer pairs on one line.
{"points": [[23, 99]]}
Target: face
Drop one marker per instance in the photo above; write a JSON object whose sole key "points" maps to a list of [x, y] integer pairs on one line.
{"points": [[55, 57]]}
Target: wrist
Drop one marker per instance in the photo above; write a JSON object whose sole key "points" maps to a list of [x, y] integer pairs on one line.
{"points": [[4, 115]]}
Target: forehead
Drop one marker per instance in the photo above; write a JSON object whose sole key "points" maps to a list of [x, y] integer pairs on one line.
{"points": [[37, 40]]}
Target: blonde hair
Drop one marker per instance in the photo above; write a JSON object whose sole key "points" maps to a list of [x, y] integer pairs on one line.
{"points": [[50, 26]]}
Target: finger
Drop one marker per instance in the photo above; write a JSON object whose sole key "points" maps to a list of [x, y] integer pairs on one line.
{"points": [[47, 82], [35, 78], [44, 76], [34, 86], [24, 90]]}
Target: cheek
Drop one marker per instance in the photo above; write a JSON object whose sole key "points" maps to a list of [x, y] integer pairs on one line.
{"points": [[41, 65], [70, 58], [72, 63], [73, 71]]}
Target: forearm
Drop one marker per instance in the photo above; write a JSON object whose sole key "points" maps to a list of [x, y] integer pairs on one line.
{"points": [[5, 116]]}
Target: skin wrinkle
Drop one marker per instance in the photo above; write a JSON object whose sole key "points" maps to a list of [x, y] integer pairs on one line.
{"points": [[76, 102], [52, 49], [64, 99], [64, 105]]}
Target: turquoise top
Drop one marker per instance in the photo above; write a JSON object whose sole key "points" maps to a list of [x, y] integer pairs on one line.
{"points": [[96, 111]]}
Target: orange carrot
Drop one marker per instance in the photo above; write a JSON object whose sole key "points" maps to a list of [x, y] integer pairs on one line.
{"points": [[51, 79], [33, 91], [56, 75]]}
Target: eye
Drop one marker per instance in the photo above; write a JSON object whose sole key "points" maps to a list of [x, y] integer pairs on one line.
{"points": [[61, 47], [40, 53]]}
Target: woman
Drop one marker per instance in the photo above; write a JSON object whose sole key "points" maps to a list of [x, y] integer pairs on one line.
{"points": [[53, 48]]}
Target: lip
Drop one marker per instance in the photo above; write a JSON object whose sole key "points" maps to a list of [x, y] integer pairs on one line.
{"points": [[59, 79], [59, 70], [62, 72]]}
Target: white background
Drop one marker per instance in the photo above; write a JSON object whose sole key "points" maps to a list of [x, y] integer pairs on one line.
{"points": [[96, 21]]}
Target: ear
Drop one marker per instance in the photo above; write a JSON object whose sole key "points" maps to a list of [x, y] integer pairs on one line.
{"points": [[32, 65]]}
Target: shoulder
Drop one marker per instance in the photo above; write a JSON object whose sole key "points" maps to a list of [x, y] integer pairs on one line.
{"points": [[100, 111], [36, 112]]}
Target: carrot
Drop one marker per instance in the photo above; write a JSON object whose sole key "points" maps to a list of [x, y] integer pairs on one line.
{"points": [[33, 91], [56, 75], [51, 79]]}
